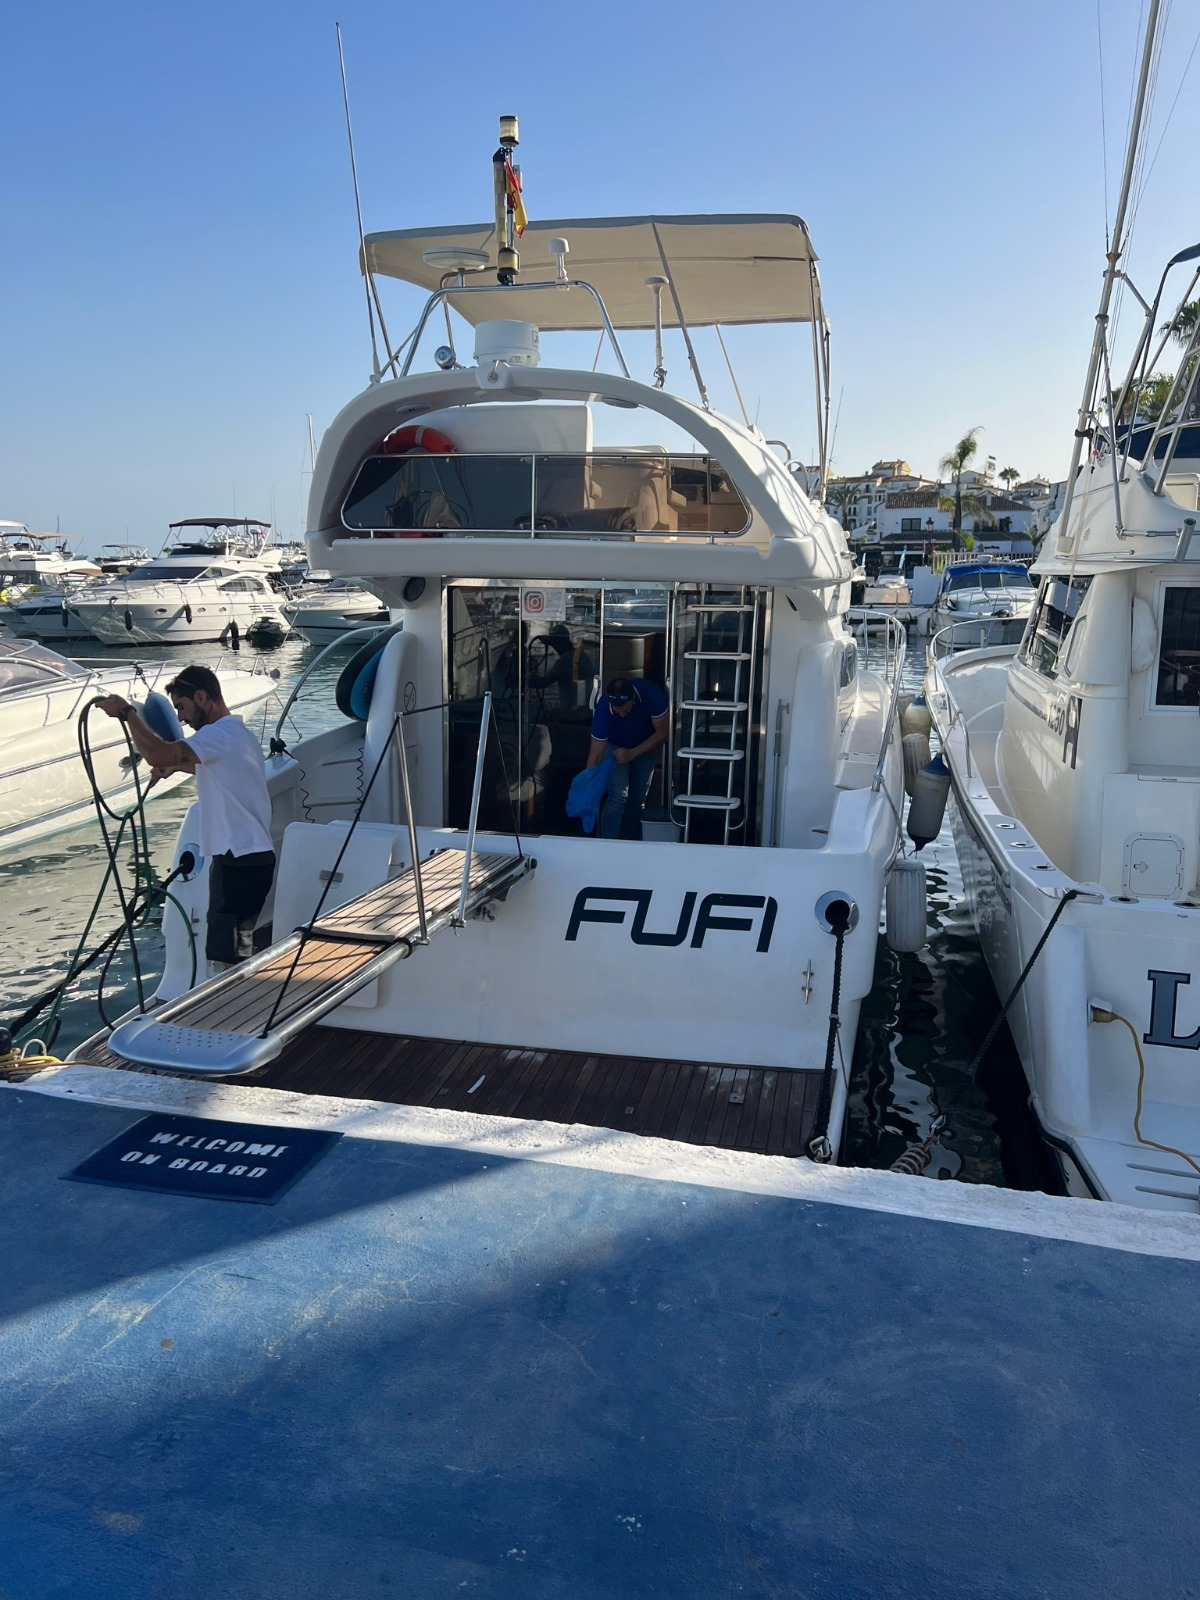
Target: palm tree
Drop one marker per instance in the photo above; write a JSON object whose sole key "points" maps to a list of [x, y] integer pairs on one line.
{"points": [[956, 464], [1183, 327], [842, 499], [966, 505], [1146, 399], [1010, 476], [1183, 323]]}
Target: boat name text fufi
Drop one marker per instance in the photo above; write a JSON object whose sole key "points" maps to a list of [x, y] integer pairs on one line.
{"points": [[710, 916]]}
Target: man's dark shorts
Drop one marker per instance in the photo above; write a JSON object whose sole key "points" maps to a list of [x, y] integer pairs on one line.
{"points": [[237, 890]]}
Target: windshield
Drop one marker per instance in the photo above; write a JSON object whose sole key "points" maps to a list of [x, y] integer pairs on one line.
{"points": [[26, 666], [157, 570], [998, 578]]}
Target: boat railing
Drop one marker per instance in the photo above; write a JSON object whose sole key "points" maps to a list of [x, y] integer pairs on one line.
{"points": [[976, 633], [458, 288], [865, 622]]}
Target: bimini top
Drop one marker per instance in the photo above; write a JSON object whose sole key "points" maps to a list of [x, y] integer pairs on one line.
{"points": [[219, 522], [729, 269]]}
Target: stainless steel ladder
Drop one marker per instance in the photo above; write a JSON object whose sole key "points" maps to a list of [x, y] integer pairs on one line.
{"points": [[719, 704]]}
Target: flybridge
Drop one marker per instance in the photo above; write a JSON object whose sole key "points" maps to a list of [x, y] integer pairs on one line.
{"points": [[627, 273]]}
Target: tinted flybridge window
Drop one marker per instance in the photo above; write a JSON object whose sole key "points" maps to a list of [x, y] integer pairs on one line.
{"points": [[619, 492], [1054, 611], [159, 570], [1179, 648]]}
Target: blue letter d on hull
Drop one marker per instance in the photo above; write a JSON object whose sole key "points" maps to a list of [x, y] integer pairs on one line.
{"points": [[1164, 999]]}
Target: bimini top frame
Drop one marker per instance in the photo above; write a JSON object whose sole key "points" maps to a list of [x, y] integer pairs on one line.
{"points": [[724, 269]]}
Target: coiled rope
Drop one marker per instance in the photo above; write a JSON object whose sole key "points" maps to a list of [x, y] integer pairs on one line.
{"points": [[140, 903]]}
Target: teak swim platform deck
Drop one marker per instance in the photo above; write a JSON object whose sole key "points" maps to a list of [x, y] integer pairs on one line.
{"points": [[238, 1022], [767, 1110]]}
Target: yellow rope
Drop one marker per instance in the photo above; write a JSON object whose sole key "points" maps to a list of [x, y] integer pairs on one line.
{"points": [[1101, 1015], [28, 1060]]}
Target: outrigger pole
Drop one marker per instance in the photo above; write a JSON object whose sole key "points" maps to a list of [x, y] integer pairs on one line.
{"points": [[1084, 427]]}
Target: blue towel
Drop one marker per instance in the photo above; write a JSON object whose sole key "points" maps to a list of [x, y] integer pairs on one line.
{"points": [[587, 791]]}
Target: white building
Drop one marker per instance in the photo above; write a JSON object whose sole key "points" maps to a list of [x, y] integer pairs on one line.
{"points": [[857, 501]]}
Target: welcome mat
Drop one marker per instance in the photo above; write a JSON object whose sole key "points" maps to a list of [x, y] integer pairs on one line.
{"points": [[219, 1160]]}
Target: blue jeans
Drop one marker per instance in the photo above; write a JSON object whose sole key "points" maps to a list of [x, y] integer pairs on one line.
{"points": [[621, 814]]}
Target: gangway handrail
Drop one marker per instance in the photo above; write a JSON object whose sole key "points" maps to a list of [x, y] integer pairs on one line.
{"points": [[372, 630], [473, 819]]}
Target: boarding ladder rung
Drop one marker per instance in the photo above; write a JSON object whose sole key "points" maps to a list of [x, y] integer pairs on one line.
{"points": [[725, 634]]}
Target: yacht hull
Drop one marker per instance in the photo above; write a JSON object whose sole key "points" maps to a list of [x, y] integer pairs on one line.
{"points": [[320, 626], [194, 616], [46, 622], [1131, 959]]}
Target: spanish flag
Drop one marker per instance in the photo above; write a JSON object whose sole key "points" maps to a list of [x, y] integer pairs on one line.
{"points": [[516, 205]]}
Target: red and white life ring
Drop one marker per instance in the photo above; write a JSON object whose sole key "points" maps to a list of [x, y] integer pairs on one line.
{"points": [[415, 439]]}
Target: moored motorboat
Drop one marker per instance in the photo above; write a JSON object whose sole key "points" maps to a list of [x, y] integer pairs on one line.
{"points": [[715, 956], [986, 602], [324, 611], [1075, 760], [212, 581]]}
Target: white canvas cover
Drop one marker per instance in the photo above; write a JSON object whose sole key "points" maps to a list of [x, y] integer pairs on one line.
{"points": [[725, 269]]}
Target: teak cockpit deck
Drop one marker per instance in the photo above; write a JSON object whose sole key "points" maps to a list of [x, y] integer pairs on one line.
{"points": [[766, 1110]]}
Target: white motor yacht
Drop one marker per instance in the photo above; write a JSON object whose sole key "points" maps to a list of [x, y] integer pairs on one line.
{"points": [[213, 581], [988, 602], [43, 785], [37, 560], [1075, 760], [38, 571], [701, 982], [325, 611]]}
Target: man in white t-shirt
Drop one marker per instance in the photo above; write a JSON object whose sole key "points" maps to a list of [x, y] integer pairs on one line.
{"points": [[235, 808]]}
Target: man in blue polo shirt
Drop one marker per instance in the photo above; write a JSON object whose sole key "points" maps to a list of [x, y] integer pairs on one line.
{"points": [[630, 723]]}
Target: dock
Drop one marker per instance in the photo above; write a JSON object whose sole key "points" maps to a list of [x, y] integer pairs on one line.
{"points": [[484, 1354]]}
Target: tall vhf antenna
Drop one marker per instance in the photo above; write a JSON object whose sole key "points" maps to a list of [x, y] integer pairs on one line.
{"points": [[362, 239]]}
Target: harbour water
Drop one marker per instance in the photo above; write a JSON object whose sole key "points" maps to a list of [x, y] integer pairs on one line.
{"points": [[919, 1029]]}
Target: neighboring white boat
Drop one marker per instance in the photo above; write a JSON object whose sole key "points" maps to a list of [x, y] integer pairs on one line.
{"points": [[995, 596], [323, 612], [38, 571], [1076, 779], [709, 973], [32, 560], [116, 560], [43, 785], [213, 581], [44, 614]]}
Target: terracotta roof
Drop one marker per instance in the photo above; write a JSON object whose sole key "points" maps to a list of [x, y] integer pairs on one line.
{"points": [[912, 497]]}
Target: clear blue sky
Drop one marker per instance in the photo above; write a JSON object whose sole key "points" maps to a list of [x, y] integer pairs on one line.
{"points": [[179, 279]]}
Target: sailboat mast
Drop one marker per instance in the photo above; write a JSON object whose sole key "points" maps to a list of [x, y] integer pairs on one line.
{"points": [[1115, 251]]}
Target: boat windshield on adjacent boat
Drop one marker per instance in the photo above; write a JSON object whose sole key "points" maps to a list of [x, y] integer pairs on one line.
{"points": [[694, 968]]}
